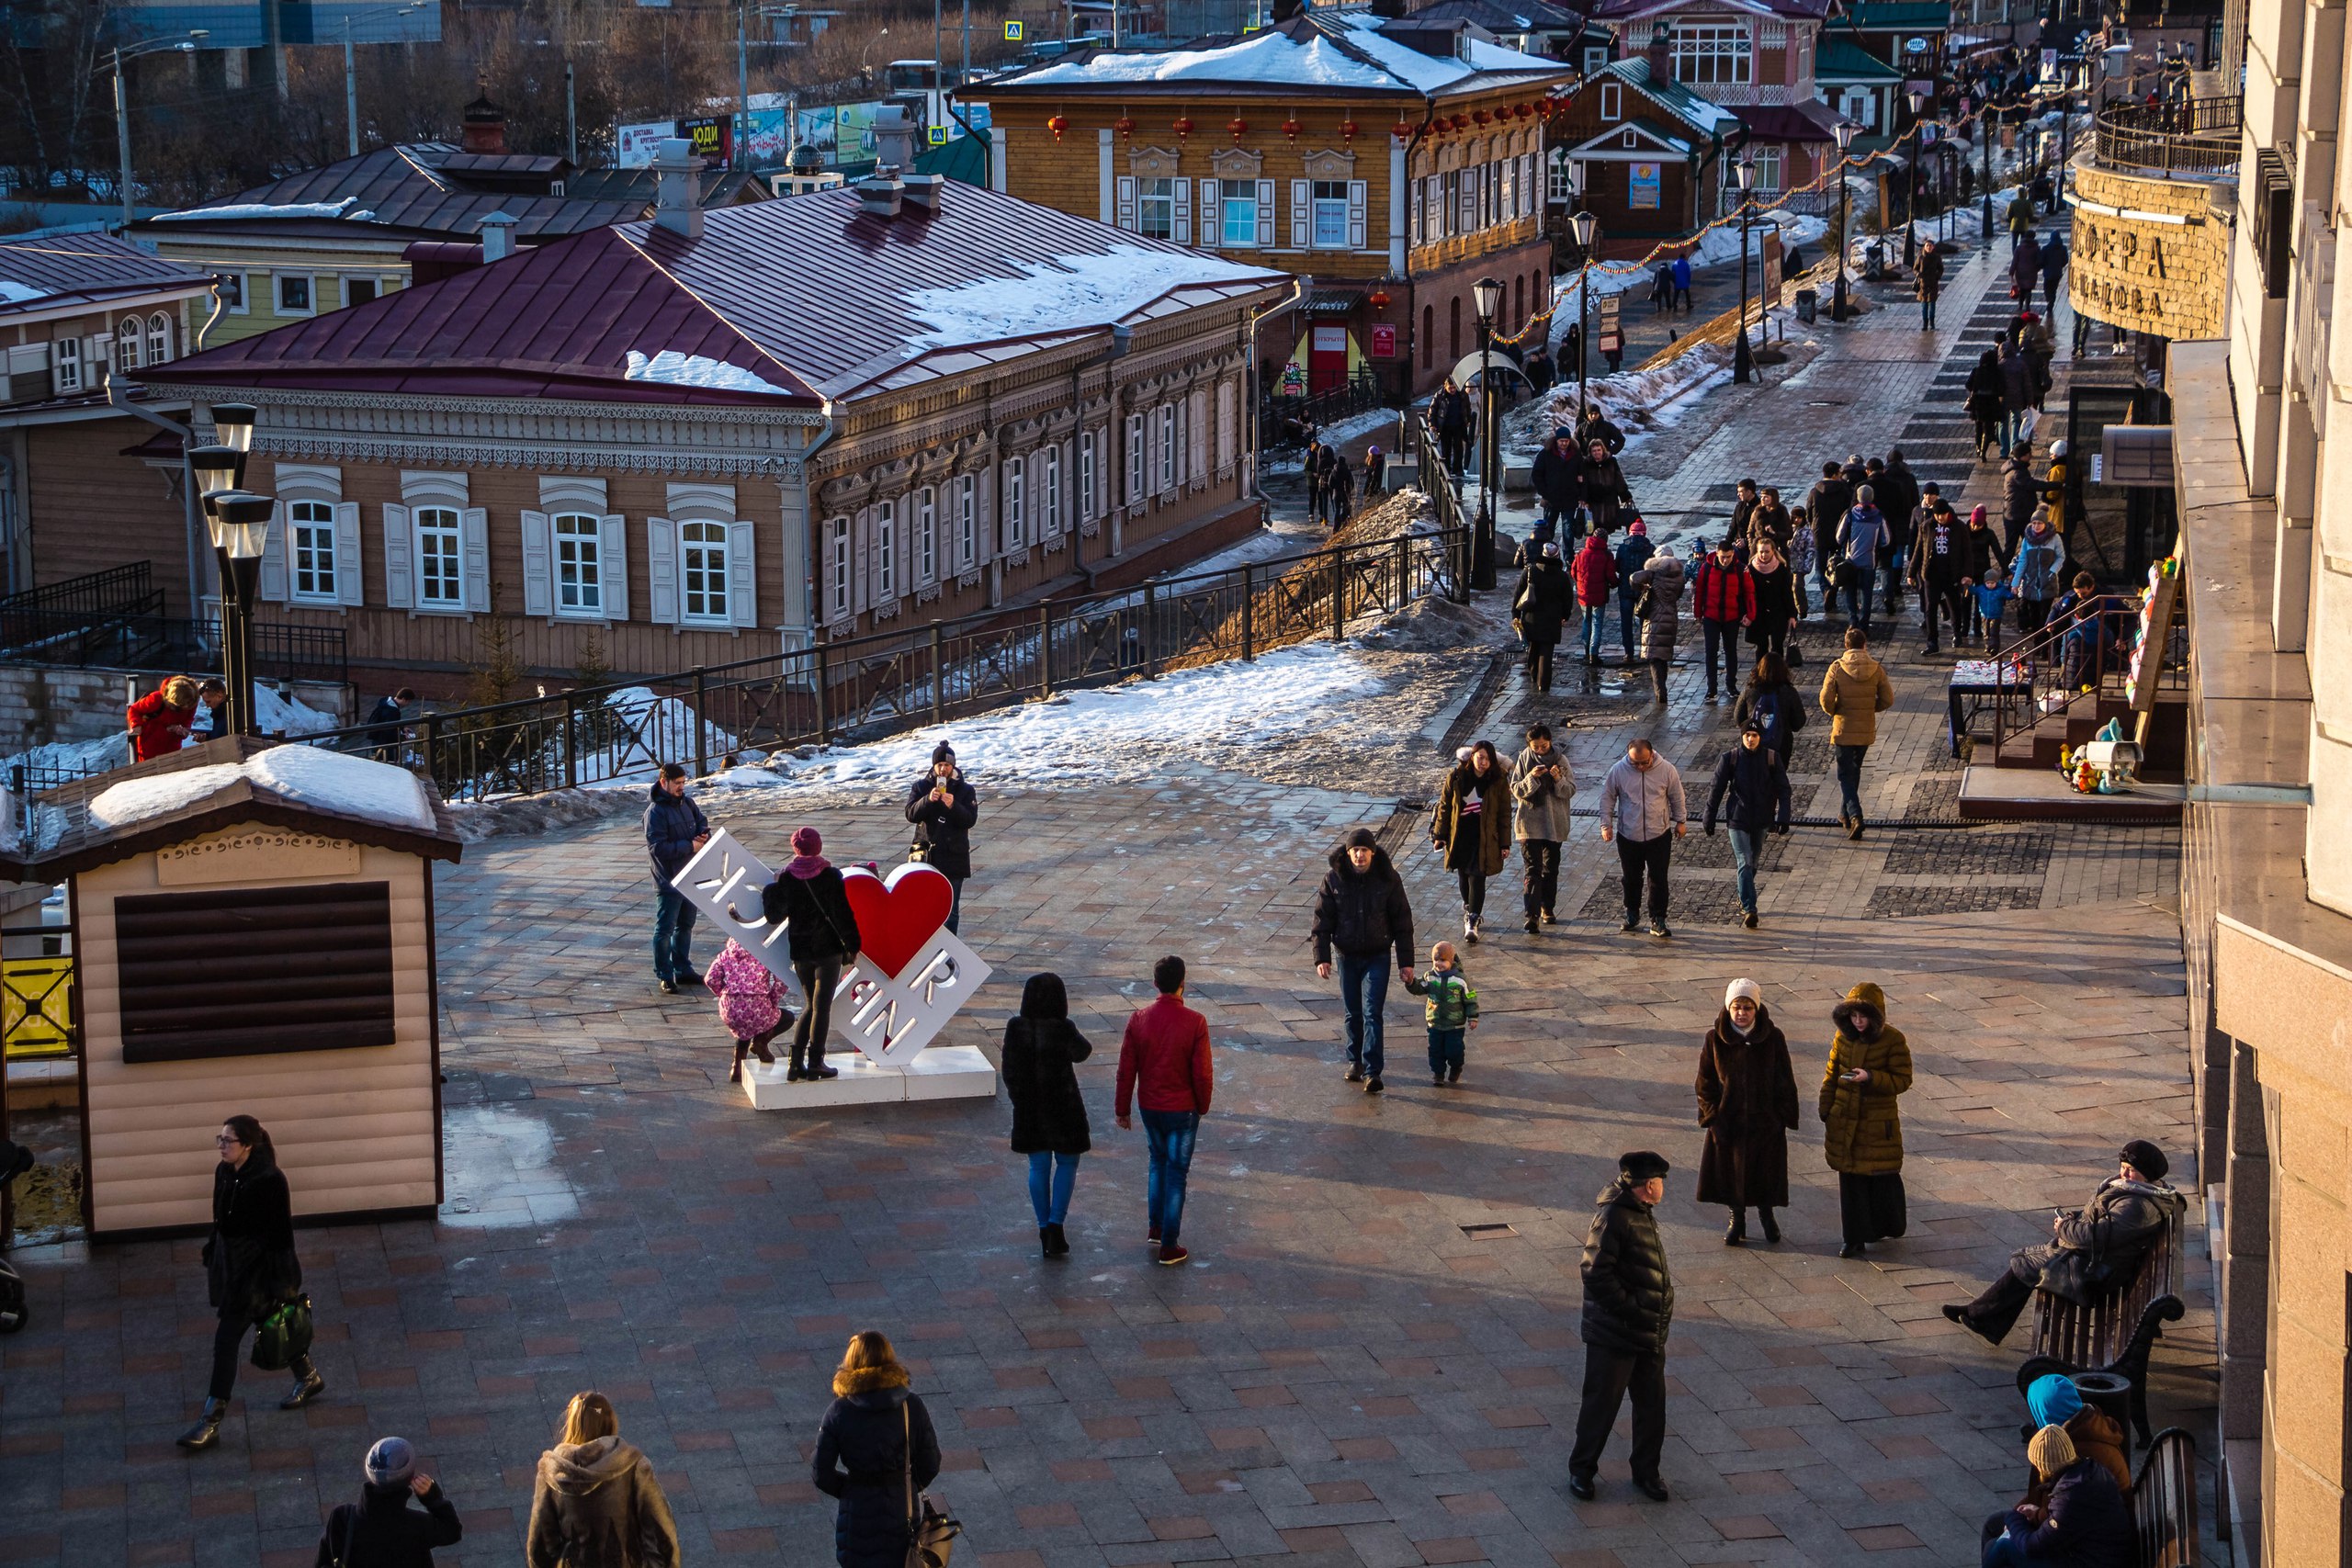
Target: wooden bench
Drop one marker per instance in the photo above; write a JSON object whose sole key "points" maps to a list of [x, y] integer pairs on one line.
{"points": [[2164, 1504], [2113, 1331]]}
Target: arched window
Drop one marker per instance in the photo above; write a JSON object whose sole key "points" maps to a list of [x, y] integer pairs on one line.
{"points": [[159, 339], [126, 340], [1518, 303], [704, 546]]}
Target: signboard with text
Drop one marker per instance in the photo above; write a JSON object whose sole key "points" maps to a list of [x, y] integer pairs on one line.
{"points": [[711, 136], [1611, 336], [1383, 340], [1642, 186]]}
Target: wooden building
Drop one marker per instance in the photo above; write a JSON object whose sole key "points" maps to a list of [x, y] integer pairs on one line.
{"points": [[719, 435], [252, 928], [1392, 162], [1644, 153]]}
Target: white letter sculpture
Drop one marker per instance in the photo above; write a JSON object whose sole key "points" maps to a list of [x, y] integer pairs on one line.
{"points": [[910, 976]]}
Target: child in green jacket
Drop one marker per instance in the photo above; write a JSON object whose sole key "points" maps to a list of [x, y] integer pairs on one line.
{"points": [[1453, 1011]]}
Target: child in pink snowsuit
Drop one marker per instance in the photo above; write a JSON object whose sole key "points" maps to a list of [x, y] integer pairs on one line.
{"points": [[750, 1003]]}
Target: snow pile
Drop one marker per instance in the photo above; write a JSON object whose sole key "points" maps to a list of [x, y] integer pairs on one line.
{"points": [[14, 293], [275, 714], [1636, 401], [342, 208], [1715, 248], [1064, 294], [1431, 623], [62, 760], [305, 775], [672, 369]]}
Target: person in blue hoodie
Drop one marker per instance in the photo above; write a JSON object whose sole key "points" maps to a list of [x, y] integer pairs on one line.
{"points": [[675, 829], [1633, 555], [1861, 539]]}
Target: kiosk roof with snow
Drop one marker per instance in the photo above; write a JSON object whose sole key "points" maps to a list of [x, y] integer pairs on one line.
{"points": [[251, 929]]}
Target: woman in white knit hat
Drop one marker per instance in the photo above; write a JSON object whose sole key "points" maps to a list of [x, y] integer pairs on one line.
{"points": [[1747, 1103]]}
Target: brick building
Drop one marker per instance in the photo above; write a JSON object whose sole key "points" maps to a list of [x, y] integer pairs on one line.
{"points": [[1393, 161]]}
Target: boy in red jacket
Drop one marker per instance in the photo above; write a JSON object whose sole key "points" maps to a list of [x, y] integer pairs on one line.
{"points": [[1596, 574], [1164, 1061]]}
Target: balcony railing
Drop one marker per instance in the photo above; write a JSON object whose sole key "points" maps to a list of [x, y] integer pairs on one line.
{"points": [[2196, 138]]}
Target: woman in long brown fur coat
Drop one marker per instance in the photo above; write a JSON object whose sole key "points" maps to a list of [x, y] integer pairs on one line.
{"points": [[1747, 1103]]}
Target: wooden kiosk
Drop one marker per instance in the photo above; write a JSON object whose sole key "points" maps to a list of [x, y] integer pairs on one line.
{"points": [[253, 928]]}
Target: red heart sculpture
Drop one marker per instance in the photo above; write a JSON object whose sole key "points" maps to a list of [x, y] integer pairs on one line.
{"points": [[897, 917]]}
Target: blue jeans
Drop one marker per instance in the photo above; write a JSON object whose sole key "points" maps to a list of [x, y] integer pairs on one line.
{"points": [[1051, 1176], [955, 901], [1170, 1135], [1625, 625], [1746, 848], [1594, 626], [1445, 1049], [673, 928], [1363, 983], [1849, 779]]}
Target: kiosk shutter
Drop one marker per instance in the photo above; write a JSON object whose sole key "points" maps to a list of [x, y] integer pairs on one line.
{"points": [[252, 971]]}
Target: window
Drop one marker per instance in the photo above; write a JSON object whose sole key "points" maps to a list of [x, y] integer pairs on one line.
{"points": [[703, 548], [1330, 230], [1768, 168], [159, 339], [1049, 494], [837, 568], [1560, 181], [1612, 101], [886, 551], [293, 294], [1168, 446], [1138, 456], [232, 292], [1086, 475], [310, 543], [1156, 214], [579, 563], [1238, 213], [927, 536], [280, 930], [440, 577], [967, 515], [359, 290], [1012, 524], [127, 342], [67, 356], [1711, 52], [1596, 60]]}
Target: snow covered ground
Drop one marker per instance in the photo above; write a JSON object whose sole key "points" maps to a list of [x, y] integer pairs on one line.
{"points": [[60, 761], [1715, 248]]}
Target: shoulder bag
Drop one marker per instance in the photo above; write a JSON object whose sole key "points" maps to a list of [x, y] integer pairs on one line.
{"points": [[931, 1535], [283, 1337]]}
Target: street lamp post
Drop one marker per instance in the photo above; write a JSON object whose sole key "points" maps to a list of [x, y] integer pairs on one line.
{"points": [[122, 100], [1911, 187], [1488, 294], [2065, 134], [220, 469], [1743, 362], [1586, 227], [239, 521], [1846, 129], [1984, 127]]}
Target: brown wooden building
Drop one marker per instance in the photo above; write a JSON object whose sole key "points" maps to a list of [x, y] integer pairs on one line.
{"points": [[1393, 161], [1641, 151]]}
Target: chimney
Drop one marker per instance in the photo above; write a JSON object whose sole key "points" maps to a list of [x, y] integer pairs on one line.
{"points": [[880, 192], [677, 184], [485, 125], [1285, 11], [923, 192], [894, 136], [1660, 53], [1390, 9], [498, 236]]}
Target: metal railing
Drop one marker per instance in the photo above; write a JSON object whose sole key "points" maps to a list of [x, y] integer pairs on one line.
{"points": [[2045, 673], [2192, 136], [1283, 421], [146, 638], [866, 687], [94, 596]]}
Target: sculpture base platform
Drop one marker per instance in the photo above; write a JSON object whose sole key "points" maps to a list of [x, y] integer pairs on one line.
{"points": [[940, 1072]]}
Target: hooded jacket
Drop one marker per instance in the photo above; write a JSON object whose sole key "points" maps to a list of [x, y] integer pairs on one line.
{"points": [[1777, 707], [1985, 388], [823, 928], [596, 1505], [1559, 476], [1474, 840], [249, 1261], [1747, 1103], [673, 823], [2088, 1524], [1595, 572], [1634, 553], [2102, 1242], [1642, 804], [1756, 786], [1861, 1129], [2041, 555], [1542, 800], [872, 1444], [1543, 601], [750, 994], [1854, 692], [1898, 497], [157, 729], [1362, 913], [1450, 413], [381, 1531], [1662, 628], [1041, 1057], [1628, 1291]]}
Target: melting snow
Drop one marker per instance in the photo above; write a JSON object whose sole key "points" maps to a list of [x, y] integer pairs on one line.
{"points": [[672, 369], [14, 293], [309, 775], [344, 208], [1065, 293], [1271, 58]]}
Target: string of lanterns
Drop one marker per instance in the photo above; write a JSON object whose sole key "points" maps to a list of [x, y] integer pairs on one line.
{"points": [[1292, 129]]}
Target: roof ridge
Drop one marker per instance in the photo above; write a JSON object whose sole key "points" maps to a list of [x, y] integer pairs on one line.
{"points": [[432, 176]]}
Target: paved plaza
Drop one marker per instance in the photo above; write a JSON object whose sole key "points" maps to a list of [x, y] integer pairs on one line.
{"points": [[1373, 1356]]}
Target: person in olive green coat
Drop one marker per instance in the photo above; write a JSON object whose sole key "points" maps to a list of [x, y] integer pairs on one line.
{"points": [[1869, 1066], [1472, 828]]}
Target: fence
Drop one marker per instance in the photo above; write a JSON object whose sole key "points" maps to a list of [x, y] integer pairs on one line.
{"points": [[863, 688], [1283, 421], [114, 619], [2199, 136]]}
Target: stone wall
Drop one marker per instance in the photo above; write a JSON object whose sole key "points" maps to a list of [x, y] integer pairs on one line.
{"points": [[41, 703], [2143, 275]]}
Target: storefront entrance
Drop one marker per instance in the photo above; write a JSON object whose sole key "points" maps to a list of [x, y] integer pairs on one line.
{"points": [[1327, 359]]}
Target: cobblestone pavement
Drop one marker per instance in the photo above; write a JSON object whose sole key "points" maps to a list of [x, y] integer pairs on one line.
{"points": [[1359, 1367]]}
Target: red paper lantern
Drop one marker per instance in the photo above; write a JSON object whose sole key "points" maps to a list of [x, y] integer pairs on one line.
{"points": [[1482, 116], [1291, 128], [1402, 130], [1524, 111], [1347, 130], [1183, 126], [1125, 127], [1378, 298], [1057, 124], [1460, 122], [1239, 127]]}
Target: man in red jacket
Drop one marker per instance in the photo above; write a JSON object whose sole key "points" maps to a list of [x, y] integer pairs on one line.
{"points": [[1725, 600], [1164, 1061]]}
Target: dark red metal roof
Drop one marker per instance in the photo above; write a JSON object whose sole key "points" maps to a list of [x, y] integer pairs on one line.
{"points": [[812, 294]]}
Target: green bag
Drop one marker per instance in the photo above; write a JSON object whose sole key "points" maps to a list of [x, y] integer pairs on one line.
{"points": [[283, 1337]]}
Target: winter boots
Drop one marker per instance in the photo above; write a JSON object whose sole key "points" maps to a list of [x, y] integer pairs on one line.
{"points": [[308, 1385], [206, 1430]]}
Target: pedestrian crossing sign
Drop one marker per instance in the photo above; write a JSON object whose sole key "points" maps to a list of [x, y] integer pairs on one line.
{"points": [[1012, 32]]}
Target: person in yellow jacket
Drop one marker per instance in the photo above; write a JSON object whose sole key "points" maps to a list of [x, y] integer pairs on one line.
{"points": [[1861, 1129], [1854, 692]]}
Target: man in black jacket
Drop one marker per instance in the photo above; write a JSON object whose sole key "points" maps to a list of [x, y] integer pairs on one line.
{"points": [[1451, 417], [943, 806], [1628, 1306], [380, 1530], [1558, 475], [1362, 913], [1898, 494], [676, 831], [1826, 507], [1606, 497]]}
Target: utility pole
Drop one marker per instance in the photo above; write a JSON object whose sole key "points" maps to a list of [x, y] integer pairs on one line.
{"points": [[966, 75], [350, 89], [570, 117], [742, 85]]}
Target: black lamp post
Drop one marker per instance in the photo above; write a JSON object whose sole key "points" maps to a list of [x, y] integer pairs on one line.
{"points": [[1743, 362], [1846, 129], [2065, 133], [1911, 187], [1984, 127], [1586, 228], [1488, 295], [220, 469], [239, 521]]}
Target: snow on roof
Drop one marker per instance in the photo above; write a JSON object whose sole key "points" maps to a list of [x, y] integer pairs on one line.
{"points": [[305, 775], [675, 369], [1270, 58], [342, 208], [1428, 73], [1062, 293], [18, 293]]}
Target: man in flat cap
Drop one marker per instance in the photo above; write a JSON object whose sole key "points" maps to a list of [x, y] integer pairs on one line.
{"points": [[2100, 1243], [1628, 1305]]}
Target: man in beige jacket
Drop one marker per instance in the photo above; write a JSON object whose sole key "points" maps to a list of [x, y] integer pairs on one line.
{"points": [[1854, 692]]}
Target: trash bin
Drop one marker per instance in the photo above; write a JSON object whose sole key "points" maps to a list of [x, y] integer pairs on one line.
{"points": [[1809, 305], [1874, 261]]}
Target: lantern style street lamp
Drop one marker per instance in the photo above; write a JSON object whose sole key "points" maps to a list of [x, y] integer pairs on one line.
{"points": [[1743, 362], [1846, 129], [1586, 228], [1487, 294], [240, 521]]}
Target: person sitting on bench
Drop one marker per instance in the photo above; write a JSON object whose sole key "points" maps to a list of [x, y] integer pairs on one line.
{"points": [[2082, 1522], [2054, 1401], [2096, 1246]]}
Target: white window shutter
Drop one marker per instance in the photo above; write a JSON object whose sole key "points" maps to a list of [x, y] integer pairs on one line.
{"points": [[661, 569], [1359, 199], [348, 589], [984, 511], [273, 559], [1183, 211], [1300, 212], [538, 575], [1212, 217], [400, 559], [1265, 215], [1126, 201], [611, 565], [474, 525], [742, 582]]}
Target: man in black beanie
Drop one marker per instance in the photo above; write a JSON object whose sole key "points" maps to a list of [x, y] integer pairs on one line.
{"points": [[1628, 1306], [2097, 1246]]}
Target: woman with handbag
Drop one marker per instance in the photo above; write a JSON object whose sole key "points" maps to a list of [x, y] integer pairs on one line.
{"points": [[823, 930], [876, 1452], [250, 1273]]}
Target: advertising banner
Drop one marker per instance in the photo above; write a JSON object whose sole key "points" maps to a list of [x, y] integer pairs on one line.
{"points": [[634, 145], [1642, 182]]}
